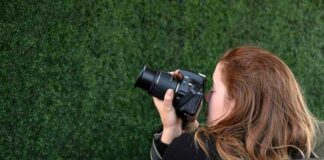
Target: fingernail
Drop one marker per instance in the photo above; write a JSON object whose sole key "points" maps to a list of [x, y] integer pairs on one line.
{"points": [[170, 91]]}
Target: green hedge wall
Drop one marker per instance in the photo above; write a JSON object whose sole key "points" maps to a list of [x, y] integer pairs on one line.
{"points": [[67, 68]]}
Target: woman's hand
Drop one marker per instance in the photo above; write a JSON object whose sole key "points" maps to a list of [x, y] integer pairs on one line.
{"points": [[172, 124]]}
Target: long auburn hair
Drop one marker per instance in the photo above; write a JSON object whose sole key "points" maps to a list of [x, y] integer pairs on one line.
{"points": [[270, 117]]}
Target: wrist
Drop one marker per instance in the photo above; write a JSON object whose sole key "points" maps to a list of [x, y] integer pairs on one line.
{"points": [[169, 134]]}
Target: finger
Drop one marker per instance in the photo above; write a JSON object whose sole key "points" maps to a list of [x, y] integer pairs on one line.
{"points": [[155, 99], [168, 97], [177, 74], [157, 102], [172, 73]]}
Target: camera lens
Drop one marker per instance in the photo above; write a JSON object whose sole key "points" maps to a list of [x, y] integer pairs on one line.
{"points": [[155, 82], [145, 78]]}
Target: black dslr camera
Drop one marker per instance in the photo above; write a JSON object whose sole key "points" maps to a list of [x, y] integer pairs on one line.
{"points": [[189, 90]]}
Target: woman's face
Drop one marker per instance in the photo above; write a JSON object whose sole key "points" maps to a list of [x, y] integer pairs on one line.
{"points": [[219, 106]]}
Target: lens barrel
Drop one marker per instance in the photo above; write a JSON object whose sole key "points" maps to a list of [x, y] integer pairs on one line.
{"points": [[155, 82], [145, 78]]}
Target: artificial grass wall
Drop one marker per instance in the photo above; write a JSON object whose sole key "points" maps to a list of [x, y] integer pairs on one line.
{"points": [[68, 67]]}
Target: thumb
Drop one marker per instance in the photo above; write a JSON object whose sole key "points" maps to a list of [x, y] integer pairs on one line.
{"points": [[168, 97]]}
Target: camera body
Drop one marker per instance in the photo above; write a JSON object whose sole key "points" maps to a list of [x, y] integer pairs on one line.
{"points": [[189, 91]]}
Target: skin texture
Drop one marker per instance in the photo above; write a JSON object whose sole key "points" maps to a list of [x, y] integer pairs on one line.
{"points": [[219, 106], [171, 123]]}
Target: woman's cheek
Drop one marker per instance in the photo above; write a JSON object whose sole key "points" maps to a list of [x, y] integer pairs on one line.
{"points": [[216, 110], [212, 111]]}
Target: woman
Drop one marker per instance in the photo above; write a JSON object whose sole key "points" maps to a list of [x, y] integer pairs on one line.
{"points": [[256, 111]]}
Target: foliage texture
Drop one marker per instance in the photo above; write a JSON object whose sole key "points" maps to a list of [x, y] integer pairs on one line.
{"points": [[67, 68]]}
